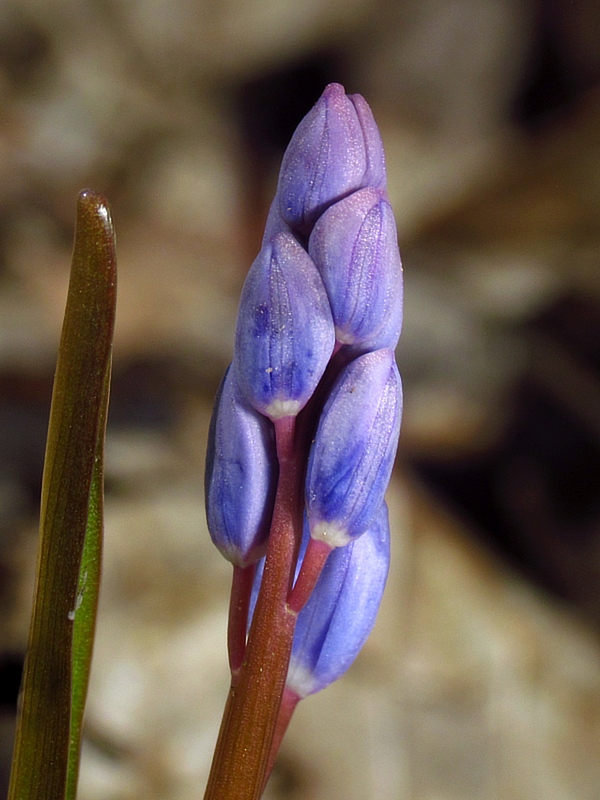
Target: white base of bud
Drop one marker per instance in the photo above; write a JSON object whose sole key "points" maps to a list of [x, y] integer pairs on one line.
{"points": [[330, 533]]}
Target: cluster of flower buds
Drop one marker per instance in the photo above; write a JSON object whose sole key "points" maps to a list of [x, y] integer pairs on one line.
{"points": [[319, 319]]}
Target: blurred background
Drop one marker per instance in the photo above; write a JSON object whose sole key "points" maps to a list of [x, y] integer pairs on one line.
{"points": [[482, 677]]}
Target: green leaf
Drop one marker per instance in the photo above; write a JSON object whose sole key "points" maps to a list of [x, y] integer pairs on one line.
{"points": [[64, 609], [86, 603]]}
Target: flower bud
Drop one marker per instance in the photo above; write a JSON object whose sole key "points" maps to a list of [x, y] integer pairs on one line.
{"points": [[341, 612], [285, 333], [352, 457], [375, 173], [275, 223], [240, 477], [355, 247], [335, 150]]}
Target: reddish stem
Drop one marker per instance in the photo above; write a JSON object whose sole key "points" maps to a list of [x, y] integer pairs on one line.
{"points": [[289, 701], [313, 562], [243, 748], [239, 605]]}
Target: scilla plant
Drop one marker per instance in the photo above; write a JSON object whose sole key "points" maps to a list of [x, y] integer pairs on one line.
{"points": [[304, 435], [301, 447]]}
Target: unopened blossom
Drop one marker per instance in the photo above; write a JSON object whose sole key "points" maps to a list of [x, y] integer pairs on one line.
{"points": [[240, 476], [285, 334], [335, 150], [339, 616], [355, 445], [355, 247], [341, 612]]}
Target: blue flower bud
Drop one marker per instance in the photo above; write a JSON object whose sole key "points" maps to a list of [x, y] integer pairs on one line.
{"points": [[341, 612], [375, 172], [355, 247], [240, 477], [285, 333], [352, 457], [335, 150], [275, 223]]}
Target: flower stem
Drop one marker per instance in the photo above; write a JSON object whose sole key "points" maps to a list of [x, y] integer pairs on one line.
{"points": [[239, 604], [241, 758], [289, 701], [313, 562]]}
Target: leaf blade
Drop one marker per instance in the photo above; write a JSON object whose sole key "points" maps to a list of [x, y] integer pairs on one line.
{"points": [[79, 398], [86, 603]]}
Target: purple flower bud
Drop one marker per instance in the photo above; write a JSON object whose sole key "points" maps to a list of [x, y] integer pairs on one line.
{"points": [[341, 612], [375, 173], [240, 477], [285, 333], [275, 223], [335, 150], [355, 247], [353, 454]]}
